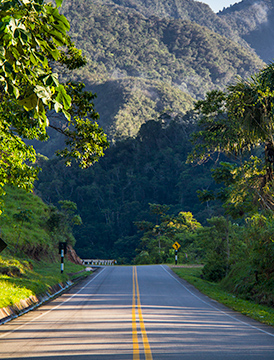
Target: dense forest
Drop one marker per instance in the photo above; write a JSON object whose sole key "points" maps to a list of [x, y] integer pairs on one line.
{"points": [[194, 11], [117, 191], [141, 63]]}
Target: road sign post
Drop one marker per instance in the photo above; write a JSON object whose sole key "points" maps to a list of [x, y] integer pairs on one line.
{"points": [[176, 246], [62, 252]]}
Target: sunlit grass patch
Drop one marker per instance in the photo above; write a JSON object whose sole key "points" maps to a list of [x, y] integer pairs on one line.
{"points": [[12, 294], [31, 278]]}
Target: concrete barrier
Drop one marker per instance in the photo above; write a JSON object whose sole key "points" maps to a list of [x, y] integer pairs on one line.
{"points": [[13, 311]]}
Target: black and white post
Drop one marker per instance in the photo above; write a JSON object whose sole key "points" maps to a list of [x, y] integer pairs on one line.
{"points": [[62, 260], [62, 252], [176, 257]]}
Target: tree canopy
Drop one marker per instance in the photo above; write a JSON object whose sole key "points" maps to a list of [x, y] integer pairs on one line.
{"points": [[239, 122], [33, 39]]}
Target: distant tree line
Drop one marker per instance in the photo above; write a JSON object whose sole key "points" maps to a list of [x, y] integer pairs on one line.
{"points": [[117, 191]]}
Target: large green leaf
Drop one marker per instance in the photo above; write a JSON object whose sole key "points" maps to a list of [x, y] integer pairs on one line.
{"points": [[63, 97], [58, 2], [30, 102], [31, 33], [44, 93]]}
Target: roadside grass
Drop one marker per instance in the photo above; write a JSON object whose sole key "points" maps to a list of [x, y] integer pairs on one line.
{"points": [[19, 279], [261, 313], [29, 234], [30, 264]]}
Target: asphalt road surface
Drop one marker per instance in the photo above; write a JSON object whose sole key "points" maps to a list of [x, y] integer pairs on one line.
{"points": [[136, 313]]}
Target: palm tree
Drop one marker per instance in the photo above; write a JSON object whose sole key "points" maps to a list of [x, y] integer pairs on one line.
{"points": [[238, 120]]}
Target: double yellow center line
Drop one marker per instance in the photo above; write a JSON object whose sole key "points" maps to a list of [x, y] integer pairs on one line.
{"points": [[136, 299]]}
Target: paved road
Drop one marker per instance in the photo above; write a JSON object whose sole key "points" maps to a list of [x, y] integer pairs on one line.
{"points": [[134, 313]]}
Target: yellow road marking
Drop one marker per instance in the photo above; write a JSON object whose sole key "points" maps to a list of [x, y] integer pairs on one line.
{"points": [[136, 292], [134, 325]]}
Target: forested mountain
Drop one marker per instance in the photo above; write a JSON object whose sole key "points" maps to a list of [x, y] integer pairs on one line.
{"points": [[253, 20], [119, 43], [143, 64], [191, 10]]}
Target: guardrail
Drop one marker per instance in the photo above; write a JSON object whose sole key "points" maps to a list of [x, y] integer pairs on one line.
{"points": [[88, 262]]}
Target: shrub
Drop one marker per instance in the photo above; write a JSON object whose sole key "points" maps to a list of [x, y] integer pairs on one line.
{"points": [[215, 269]]}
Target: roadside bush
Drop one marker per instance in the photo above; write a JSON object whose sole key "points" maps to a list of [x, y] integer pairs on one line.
{"points": [[214, 269]]}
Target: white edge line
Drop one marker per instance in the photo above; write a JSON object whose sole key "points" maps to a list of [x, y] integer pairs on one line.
{"points": [[215, 308], [54, 308]]}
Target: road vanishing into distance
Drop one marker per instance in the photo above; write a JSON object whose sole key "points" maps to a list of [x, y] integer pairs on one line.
{"points": [[143, 312]]}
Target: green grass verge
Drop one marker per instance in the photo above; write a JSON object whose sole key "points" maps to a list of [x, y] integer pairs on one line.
{"points": [[262, 313], [20, 279]]}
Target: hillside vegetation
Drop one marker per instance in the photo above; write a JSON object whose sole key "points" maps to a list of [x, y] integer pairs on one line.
{"points": [[253, 21], [195, 11], [30, 263], [157, 60], [24, 226], [122, 43], [144, 58], [30, 227]]}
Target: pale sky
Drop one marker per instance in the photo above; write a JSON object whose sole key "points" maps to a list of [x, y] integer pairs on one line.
{"points": [[217, 5]]}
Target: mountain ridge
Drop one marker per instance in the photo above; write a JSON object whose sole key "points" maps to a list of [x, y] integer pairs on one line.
{"points": [[252, 20], [125, 47], [191, 10]]}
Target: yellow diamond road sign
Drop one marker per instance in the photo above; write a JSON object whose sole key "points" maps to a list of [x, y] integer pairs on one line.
{"points": [[176, 245]]}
